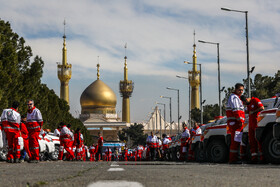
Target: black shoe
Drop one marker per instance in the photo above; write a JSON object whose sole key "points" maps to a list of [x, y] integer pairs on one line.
{"points": [[235, 162], [33, 161], [252, 162], [10, 161], [262, 162]]}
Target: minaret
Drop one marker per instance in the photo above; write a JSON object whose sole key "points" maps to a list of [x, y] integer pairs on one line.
{"points": [[126, 89], [64, 72], [194, 81]]}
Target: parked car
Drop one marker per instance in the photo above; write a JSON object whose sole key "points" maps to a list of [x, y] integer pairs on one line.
{"points": [[264, 130], [213, 141]]}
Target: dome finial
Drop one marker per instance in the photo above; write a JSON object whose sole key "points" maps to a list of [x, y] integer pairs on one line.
{"points": [[98, 66]]}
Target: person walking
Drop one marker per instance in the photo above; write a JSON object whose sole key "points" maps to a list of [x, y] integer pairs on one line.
{"points": [[100, 147]]}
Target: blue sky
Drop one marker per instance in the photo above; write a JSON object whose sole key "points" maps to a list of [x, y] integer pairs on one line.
{"points": [[159, 35]]}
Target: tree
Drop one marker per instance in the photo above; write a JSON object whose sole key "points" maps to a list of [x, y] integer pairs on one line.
{"points": [[136, 134], [20, 79]]}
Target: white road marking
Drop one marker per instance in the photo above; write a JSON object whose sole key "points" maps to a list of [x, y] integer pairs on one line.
{"points": [[115, 183], [115, 169], [114, 164]]}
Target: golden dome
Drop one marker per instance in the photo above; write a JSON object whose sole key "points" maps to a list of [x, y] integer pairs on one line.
{"points": [[98, 98]]}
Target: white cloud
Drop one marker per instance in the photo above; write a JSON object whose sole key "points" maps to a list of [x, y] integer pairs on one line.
{"points": [[159, 34]]}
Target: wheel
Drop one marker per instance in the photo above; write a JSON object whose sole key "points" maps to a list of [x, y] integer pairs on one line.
{"points": [[3, 154], [271, 149], [178, 155], [54, 155], [217, 151], [166, 155], [170, 153], [199, 155]]}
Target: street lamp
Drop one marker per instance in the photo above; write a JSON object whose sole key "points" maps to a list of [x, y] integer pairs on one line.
{"points": [[247, 47], [189, 96], [200, 86], [163, 117], [178, 105], [201, 122], [170, 111], [219, 76]]}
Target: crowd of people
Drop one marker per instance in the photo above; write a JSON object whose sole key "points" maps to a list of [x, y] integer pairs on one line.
{"points": [[22, 133]]}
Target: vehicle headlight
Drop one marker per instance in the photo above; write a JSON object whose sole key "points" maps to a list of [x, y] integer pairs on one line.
{"points": [[278, 113], [260, 117]]}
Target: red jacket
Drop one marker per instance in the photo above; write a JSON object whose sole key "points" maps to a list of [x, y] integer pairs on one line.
{"points": [[10, 120], [235, 109], [34, 120], [24, 131]]}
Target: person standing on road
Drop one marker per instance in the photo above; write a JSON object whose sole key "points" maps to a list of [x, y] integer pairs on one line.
{"points": [[235, 119], [254, 107], [78, 144], [34, 125], [100, 147], [152, 142], [184, 142], [92, 151], [11, 125], [125, 153], [165, 145], [65, 142], [24, 134], [57, 131], [196, 131]]}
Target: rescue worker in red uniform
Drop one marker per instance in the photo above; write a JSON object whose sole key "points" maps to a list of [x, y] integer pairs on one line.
{"points": [[184, 142], [11, 125], [65, 142], [92, 151], [139, 153], [24, 135], [254, 107], [34, 124], [100, 147], [108, 154], [196, 131], [235, 119], [78, 144], [125, 153], [165, 145], [152, 142]]}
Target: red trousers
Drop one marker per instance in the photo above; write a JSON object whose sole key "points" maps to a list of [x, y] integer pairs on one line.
{"points": [[79, 150], [14, 147], [183, 150], [26, 146], [255, 146], [233, 149], [190, 153], [108, 157], [65, 144], [92, 157], [34, 144]]}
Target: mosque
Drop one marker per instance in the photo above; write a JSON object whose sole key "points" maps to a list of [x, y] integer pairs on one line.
{"points": [[98, 101]]}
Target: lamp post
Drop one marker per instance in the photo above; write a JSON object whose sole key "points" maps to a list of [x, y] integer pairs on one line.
{"points": [[219, 74], [170, 111], [200, 88], [247, 46], [189, 96], [178, 93], [201, 122], [163, 117]]}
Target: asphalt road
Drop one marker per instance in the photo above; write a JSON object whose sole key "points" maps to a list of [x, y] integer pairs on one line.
{"points": [[137, 174]]}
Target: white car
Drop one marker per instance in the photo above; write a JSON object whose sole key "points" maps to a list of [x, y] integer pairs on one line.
{"points": [[213, 141]]}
